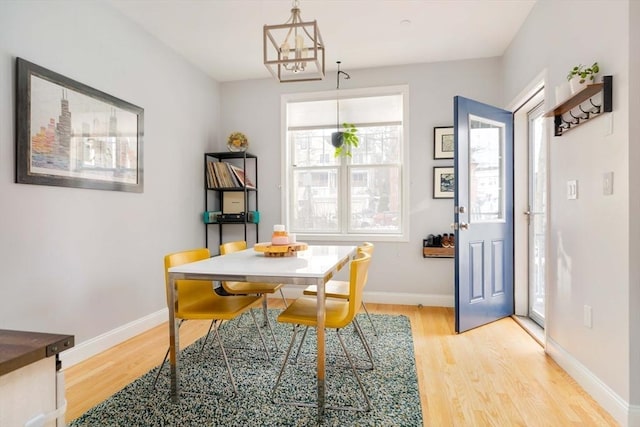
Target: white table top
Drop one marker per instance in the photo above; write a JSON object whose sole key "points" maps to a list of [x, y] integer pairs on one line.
{"points": [[314, 263]]}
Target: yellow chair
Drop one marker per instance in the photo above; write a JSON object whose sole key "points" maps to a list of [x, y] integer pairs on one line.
{"points": [[340, 289], [338, 314], [248, 288], [196, 299]]}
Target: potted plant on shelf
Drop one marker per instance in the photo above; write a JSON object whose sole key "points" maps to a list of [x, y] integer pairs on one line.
{"points": [[345, 140], [580, 76]]}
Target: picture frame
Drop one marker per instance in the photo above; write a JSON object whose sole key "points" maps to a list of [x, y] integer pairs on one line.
{"points": [[443, 142], [443, 182], [71, 135]]}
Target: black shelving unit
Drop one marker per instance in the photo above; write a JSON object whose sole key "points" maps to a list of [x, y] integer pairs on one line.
{"points": [[213, 196]]}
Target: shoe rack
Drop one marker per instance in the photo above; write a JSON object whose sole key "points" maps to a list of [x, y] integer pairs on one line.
{"points": [[439, 246]]}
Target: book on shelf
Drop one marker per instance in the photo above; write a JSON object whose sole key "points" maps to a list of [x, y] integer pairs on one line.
{"points": [[226, 175], [242, 178]]}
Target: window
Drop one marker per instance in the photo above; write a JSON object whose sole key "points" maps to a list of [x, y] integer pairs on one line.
{"points": [[347, 197]]}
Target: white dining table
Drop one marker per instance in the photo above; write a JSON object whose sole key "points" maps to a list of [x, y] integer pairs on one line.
{"points": [[313, 266]]}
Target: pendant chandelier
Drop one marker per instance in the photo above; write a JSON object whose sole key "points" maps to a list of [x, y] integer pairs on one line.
{"points": [[293, 51]]}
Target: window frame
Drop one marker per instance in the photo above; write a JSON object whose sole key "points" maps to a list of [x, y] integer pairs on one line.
{"points": [[287, 171]]}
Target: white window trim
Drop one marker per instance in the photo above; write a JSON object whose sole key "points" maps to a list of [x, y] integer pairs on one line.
{"points": [[403, 236]]}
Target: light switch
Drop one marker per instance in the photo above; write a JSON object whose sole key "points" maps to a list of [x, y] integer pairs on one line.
{"points": [[572, 189], [607, 183]]}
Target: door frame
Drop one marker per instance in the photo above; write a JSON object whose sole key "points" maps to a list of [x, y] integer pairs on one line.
{"points": [[521, 193]]}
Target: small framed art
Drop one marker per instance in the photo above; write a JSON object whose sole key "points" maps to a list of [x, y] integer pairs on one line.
{"points": [[443, 142], [443, 182]]}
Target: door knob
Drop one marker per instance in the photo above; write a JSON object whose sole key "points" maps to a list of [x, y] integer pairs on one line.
{"points": [[464, 226]]}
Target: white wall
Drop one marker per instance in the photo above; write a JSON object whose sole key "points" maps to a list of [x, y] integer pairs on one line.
{"points": [[634, 207], [589, 238], [85, 262], [401, 274]]}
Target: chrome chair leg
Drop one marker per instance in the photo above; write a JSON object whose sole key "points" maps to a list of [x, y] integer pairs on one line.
{"points": [[304, 335], [375, 331], [207, 336], [364, 342], [226, 361], [166, 356], [310, 404], [355, 372], [264, 344], [284, 300], [286, 359]]}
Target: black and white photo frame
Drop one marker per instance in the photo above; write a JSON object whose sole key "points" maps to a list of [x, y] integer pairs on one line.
{"points": [[443, 142]]}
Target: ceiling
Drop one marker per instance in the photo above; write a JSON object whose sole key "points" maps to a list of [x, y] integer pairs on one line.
{"points": [[224, 37]]}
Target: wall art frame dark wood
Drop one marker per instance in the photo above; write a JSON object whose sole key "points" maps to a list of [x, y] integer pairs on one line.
{"points": [[71, 135]]}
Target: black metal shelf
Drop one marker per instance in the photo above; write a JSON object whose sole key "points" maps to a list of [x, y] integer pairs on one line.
{"points": [[215, 199]]}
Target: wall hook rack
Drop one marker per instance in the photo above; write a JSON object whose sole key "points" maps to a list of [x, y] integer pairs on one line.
{"points": [[561, 125]]}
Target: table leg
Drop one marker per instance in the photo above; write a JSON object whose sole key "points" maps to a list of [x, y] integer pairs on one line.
{"points": [[174, 341], [321, 348]]}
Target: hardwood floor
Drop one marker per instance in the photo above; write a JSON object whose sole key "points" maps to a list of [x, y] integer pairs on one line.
{"points": [[496, 375]]}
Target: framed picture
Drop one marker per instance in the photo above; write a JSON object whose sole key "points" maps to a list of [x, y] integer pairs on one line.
{"points": [[71, 135], [443, 182], [443, 145]]}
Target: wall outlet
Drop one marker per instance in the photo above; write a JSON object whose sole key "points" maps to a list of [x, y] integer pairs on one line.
{"points": [[587, 320]]}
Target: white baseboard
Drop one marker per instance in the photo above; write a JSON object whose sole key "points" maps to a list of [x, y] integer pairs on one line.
{"points": [[96, 345], [389, 298], [93, 346], [626, 415]]}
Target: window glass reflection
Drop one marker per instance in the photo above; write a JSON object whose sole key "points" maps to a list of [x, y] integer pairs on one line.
{"points": [[486, 170]]}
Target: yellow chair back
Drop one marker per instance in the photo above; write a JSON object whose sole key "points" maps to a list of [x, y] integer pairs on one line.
{"points": [[358, 271], [366, 247], [230, 247], [189, 291]]}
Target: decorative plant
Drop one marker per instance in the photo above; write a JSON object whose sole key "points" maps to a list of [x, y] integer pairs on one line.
{"points": [[584, 73], [348, 139], [237, 141]]}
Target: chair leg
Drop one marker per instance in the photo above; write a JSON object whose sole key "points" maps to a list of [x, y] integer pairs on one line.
{"points": [[207, 336], [226, 361], [273, 336], [286, 359], [264, 344], [284, 300], [304, 335], [375, 331], [155, 380], [364, 342], [355, 373], [166, 355], [264, 309]]}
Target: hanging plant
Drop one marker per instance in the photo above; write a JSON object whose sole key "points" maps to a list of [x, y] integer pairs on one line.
{"points": [[346, 140]]}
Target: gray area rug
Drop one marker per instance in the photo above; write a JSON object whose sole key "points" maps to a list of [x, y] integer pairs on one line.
{"points": [[207, 399]]}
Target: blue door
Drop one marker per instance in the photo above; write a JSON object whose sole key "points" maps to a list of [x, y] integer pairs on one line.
{"points": [[483, 169]]}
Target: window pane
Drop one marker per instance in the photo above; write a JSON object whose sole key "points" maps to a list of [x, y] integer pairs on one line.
{"points": [[312, 147], [375, 199], [315, 200], [486, 170], [378, 145]]}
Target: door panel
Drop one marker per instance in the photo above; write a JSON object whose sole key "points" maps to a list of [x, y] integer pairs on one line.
{"points": [[483, 166]]}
